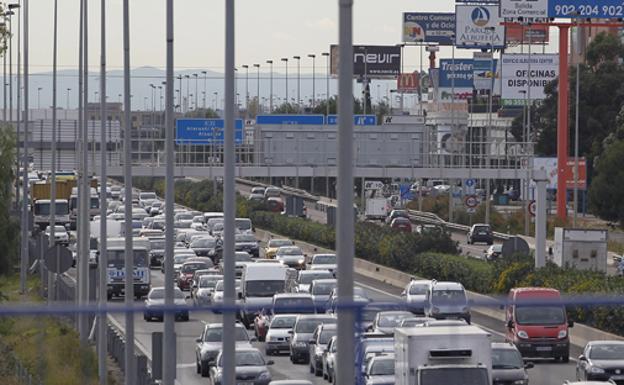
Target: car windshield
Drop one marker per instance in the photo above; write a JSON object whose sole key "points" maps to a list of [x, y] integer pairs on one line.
{"points": [[283, 322], [184, 216], [245, 238], [157, 244], [308, 325], [418, 289], [249, 359], [62, 208], [243, 224], [506, 359], [158, 225], [208, 281], [606, 352], [289, 251], [540, 315], [219, 286], [264, 288], [323, 288], [326, 335], [116, 258], [452, 376], [206, 243], [368, 315], [95, 202], [192, 267], [216, 334], [382, 367], [309, 277], [294, 305], [449, 297], [324, 260], [57, 229], [179, 259], [399, 213], [160, 294], [217, 226], [243, 257], [390, 320], [482, 228], [280, 242], [144, 196]]}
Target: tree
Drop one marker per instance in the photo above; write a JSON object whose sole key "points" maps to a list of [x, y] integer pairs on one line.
{"points": [[207, 113], [9, 229]]}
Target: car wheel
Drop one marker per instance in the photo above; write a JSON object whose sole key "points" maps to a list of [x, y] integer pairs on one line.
{"points": [[318, 373], [197, 367], [203, 370], [186, 317], [565, 359], [312, 369], [268, 352], [146, 318]]}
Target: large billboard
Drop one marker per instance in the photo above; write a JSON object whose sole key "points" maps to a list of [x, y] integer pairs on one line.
{"points": [[520, 34], [550, 166], [428, 28], [485, 70], [372, 61], [205, 131], [479, 26], [590, 9], [516, 76], [514, 9], [408, 83]]}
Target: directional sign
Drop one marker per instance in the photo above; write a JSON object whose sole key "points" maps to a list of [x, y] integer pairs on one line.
{"points": [[594, 9], [205, 131], [290, 119], [514, 9], [358, 120]]}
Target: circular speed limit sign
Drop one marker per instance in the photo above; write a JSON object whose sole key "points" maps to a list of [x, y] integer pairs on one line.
{"points": [[471, 201], [532, 208]]}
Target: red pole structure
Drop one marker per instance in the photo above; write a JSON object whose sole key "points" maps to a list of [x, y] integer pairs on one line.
{"points": [[562, 123]]}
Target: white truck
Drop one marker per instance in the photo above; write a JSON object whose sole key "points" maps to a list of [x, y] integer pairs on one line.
{"points": [[442, 355], [116, 271], [376, 203], [583, 249], [41, 211], [259, 282]]}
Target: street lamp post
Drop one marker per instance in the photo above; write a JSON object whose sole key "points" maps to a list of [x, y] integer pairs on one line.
{"points": [[188, 92], [205, 73], [326, 54], [246, 67], [67, 102], [313, 57], [258, 109], [196, 76], [39, 97], [285, 60], [298, 59], [270, 62], [216, 98]]}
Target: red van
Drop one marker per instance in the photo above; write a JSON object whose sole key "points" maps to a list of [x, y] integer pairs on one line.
{"points": [[537, 323]]}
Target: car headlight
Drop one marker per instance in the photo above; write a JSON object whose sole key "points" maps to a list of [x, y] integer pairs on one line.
{"points": [[523, 334], [520, 382], [301, 261], [562, 334], [211, 252], [595, 369], [264, 376]]}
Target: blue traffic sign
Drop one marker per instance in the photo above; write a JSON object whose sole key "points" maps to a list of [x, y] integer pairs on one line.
{"points": [[470, 182], [291, 119], [358, 120], [594, 9], [205, 131]]}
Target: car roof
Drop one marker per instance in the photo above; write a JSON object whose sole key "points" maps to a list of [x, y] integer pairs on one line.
{"points": [[503, 345], [393, 312], [314, 316], [447, 285], [314, 272], [605, 342], [292, 295], [325, 280]]}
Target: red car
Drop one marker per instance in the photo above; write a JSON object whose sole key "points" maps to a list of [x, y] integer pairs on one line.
{"points": [[188, 269], [401, 224]]}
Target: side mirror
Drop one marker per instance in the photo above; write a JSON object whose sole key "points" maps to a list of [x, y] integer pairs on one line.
{"points": [[582, 358], [270, 362], [510, 324], [198, 339], [570, 324], [403, 293], [529, 365], [312, 342], [290, 332], [240, 295]]}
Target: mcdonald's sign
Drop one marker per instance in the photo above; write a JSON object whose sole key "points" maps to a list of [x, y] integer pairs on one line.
{"points": [[408, 83]]}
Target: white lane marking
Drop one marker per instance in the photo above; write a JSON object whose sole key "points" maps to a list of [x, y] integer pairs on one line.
{"points": [[182, 366]]}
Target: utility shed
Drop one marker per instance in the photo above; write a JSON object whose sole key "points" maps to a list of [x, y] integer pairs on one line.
{"points": [[583, 249]]}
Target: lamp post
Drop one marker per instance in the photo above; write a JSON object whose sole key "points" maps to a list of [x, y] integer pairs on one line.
{"points": [[188, 92], [285, 60], [205, 73], [67, 102], [270, 62], [196, 76], [39, 97], [258, 109], [326, 54], [313, 57], [246, 67], [216, 98], [298, 59]]}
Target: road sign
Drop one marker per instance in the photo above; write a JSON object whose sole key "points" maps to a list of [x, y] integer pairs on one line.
{"points": [[471, 201], [205, 131], [58, 259], [532, 208], [515, 245], [373, 185], [470, 182], [471, 210], [428, 28], [408, 83], [290, 119], [514, 9], [358, 120], [590, 9]]}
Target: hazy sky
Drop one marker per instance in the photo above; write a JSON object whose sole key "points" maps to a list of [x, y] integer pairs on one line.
{"points": [[268, 29]]}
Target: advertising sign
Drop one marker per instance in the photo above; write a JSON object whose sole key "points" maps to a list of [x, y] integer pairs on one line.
{"points": [[372, 61], [358, 120], [428, 28], [550, 166], [462, 70], [516, 77], [485, 71], [291, 119], [520, 34], [594, 9], [205, 131], [408, 83], [478, 26], [513, 9]]}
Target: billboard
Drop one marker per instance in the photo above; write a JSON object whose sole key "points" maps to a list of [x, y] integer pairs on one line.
{"points": [[485, 71], [408, 83], [428, 27], [514, 9], [474, 24], [515, 71], [372, 61], [594, 9], [205, 131], [461, 70], [519, 34], [550, 166]]}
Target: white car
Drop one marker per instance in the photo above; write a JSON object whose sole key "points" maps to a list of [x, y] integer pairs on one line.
{"points": [[414, 295], [324, 262], [60, 234]]}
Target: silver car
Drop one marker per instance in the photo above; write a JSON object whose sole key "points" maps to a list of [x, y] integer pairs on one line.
{"points": [[251, 368], [278, 336], [210, 342], [291, 256], [447, 300], [324, 262], [380, 370], [386, 321], [329, 360], [305, 278], [415, 294], [205, 289], [508, 366]]}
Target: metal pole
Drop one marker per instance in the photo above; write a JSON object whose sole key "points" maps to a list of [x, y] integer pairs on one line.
{"points": [[11, 80], [196, 90], [576, 127], [271, 87], [298, 58], [285, 59], [4, 73], [205, 89], [313, 56], [169, 341], [345, 225], [450, 197], [402, 70], [528, 140], [78, 134], [24, 261], [51, 240], [103, 258], [19, 88], [258, 109], [327, 85], [229, 204], [129, 371], [487, 136], [246, 67]]}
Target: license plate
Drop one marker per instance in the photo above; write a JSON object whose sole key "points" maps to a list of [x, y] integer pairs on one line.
{"points": [[543, 348], [481, 233], [244, 383]]}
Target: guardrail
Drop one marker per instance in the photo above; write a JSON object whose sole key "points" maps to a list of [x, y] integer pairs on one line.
{"points": [[285, 189], [430, 218]]}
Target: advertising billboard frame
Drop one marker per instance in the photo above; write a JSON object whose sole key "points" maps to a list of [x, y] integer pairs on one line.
{"points": [[434, 27], [472, 22]]}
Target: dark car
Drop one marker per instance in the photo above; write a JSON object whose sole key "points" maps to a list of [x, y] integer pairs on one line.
{"points": [[210, 343], [301, 334], [601, 361], [397, 214], [188, 269], [157, 251], [250, 369], [318, 345], [248, 243], [480, 233], [507, 365], [156, 298], [402, 224]]}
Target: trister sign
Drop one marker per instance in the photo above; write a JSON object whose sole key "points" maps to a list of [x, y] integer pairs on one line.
{"points": [[372, 61], [428, 28], [479, 26], [517, 78]]}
